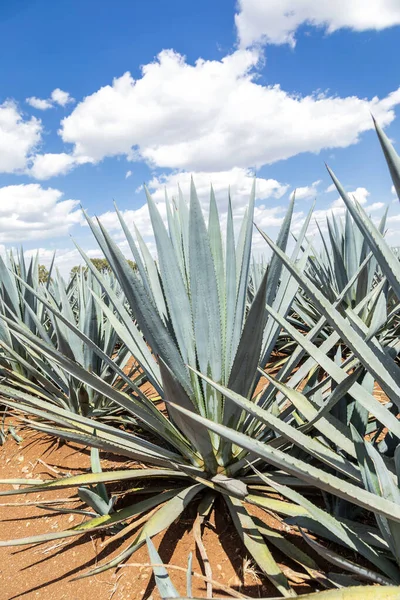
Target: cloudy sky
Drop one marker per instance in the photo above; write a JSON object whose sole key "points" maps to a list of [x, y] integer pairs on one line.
{"points": [[97, 98]]}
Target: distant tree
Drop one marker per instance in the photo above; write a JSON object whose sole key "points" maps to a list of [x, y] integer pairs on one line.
{"points": [[75, 270], [132, 265], [101, 265], [43, 274]]}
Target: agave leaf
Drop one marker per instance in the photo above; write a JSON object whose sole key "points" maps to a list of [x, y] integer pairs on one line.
{"points": [[199, 435], [247, 356], [142, 354], [88, 479], [153, 418], [128, 443], [150, 322], [163, 581], [343, 534], [139, 348], [311, 446], [315, 330], [339, 561], [255, 545], [230, 300], [338, 393], [96, 523], [379, 247], [288, 286], [286, 547], [327, 425], [357, 391], [243, 254], [158, 522], [303, 470], [153, 275], [205, 304], [134, 250], [175, 291], [214, 232], [277, 506], [96, 468], [375, 358], [368, 534], [94, 500], [392, 159]]}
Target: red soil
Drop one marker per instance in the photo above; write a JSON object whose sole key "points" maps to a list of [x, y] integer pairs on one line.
{"points": [[45, 571]]}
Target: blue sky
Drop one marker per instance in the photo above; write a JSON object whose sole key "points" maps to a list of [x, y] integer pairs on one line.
{"points": [[96, 99]]}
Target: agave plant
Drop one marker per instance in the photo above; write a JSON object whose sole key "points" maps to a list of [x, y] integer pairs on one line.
{"points": [[191, 312], [19, 304], [366, 438], [29, 370], [340, 257]]}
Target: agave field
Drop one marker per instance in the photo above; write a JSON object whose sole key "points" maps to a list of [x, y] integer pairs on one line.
{"points": [[267, 391]]}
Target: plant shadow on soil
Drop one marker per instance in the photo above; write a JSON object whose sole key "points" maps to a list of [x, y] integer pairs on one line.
{"points": [[45, 571]]}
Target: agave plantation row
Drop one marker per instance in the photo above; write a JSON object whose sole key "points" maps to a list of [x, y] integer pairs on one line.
{"points": [[206, 326]]}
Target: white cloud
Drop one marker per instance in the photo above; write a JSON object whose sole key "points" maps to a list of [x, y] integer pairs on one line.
{"points": [[374, 206], [192, 117], [308, 191], [128, 174], [336, 208], [360, 194], [238, 180], [330, 188], [18, 138], [60, 97], [276, 21], [39, 103], [57, 96], [29, 212], [49, 165]]}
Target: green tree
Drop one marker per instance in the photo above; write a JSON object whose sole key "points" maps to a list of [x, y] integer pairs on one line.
{"points": [[101, 265]]}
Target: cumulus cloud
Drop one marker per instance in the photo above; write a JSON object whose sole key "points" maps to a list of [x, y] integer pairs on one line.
{"points": [[276, 21], [239, 181], [308, 191], [360, 194], [375, 206], [39, 103], [60, 97], [57, 96], [18, 138], [212, 116], [128, 174], [330, 188], [49, 165], [30, 212]]}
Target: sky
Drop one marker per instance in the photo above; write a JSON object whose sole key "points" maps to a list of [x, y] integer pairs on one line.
{"points": [[99, 98]]}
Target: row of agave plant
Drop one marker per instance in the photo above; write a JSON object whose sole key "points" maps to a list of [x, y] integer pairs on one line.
{"points": [[205, 328]]}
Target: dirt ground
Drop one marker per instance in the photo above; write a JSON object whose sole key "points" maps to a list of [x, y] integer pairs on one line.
{"points": [[45, 571]]}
